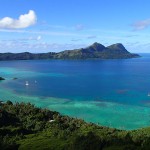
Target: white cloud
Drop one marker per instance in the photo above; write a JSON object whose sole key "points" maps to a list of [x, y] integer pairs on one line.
{"points": [[38, 38], [140, 25], [23, 21]]}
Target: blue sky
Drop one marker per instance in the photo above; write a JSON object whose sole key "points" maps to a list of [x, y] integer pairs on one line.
{"points": [[54, 25]]}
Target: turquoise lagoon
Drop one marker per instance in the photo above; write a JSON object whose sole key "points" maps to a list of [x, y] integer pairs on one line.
{"points": [[112, 93]]}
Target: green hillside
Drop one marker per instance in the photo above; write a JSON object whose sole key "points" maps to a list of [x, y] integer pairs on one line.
{"points": [[96, 50], [24, 126]]}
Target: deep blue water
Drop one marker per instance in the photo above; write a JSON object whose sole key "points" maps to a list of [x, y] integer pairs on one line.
{"points": [[125, 81]]}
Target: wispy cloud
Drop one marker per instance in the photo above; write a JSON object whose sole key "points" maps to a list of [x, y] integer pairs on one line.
{"points": [[31, 38], [140, 25], [39, 38], [26, 39], [44, 32], [130, 36], [23, 21], [76, 40], [79, 27], [49, 26], [20, 46], [92, 37], [132, 43]]}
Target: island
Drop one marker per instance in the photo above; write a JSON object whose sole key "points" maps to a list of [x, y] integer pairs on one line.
{"points": [[24, 126], [94, 51], [1, 78], [97, 51]]}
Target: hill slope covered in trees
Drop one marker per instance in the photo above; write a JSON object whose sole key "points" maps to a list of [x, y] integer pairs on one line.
{"points": [[24, 126]]}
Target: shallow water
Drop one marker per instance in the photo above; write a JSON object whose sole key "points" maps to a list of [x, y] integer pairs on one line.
{"points": [[109, 92]]}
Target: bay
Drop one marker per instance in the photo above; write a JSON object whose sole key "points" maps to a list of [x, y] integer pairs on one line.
{"points": [[112, 93]]}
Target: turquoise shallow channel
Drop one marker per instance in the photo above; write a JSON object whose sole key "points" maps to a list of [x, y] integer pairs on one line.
{"points": [[114, 93]]}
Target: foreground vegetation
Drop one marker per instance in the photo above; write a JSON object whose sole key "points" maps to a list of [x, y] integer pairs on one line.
{"points": [[24, 126]]}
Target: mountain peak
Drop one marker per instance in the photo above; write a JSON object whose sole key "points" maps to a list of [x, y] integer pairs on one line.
{"points": [[117, 46], [97, 46], [96, 43]]}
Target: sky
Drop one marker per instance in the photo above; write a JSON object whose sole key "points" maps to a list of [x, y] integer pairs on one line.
{"points": [[55, 25]]}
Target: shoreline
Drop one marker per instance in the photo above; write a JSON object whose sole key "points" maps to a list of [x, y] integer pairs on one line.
{"points": [[84, 108], [26, 126]]}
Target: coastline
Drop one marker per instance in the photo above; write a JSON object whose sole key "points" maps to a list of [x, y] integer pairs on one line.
{"points": [[104, 113], [28, 127], [103, 110]]}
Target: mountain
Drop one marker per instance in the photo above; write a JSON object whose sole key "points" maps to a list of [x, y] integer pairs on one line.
{"points": [[95, 51]]}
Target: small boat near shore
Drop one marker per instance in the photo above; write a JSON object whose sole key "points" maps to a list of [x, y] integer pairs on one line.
{"points": [[27, 83]]}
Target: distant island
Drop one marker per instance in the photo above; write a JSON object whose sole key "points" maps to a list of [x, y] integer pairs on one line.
{"points": [[95, 51], [1, 78]]}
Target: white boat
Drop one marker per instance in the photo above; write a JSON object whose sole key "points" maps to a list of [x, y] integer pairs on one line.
{"points": [[27, 83]]}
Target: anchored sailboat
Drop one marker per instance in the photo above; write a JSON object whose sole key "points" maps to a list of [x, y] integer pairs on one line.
{"points": [[27, 83]]}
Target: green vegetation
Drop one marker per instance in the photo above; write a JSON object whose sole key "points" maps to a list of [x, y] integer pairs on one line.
{"points": [[24, 126], [116, 51], [95, 51], [25, 56]]}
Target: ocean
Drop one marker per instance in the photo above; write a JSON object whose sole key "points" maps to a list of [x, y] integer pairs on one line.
{"points": [[113, 93]]}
